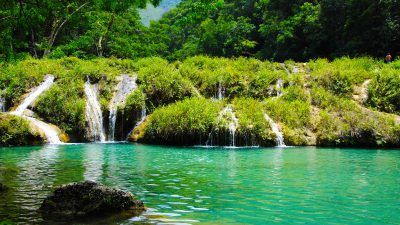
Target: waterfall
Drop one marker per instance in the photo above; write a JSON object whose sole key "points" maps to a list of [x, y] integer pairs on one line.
{"points": [[233, 124], [2, 104], [93, 113], [231, 121], [221, 92], [50, 132], [126, 86], [142, 119], [279, 86], [48, 81], [279, 136]]}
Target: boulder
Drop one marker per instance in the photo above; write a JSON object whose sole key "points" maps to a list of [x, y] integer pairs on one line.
{"points": [[89, 198]]}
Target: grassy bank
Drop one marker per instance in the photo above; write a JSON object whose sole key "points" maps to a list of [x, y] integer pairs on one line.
{"points": [[346, 102]]}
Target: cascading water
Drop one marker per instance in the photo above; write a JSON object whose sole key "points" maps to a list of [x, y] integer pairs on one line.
{"points": [[279, 136], [2, 104], [279, 86], [221, 92], [228, 118], [50, 132], [142, 119], [126, 86], [93, 113], [48, 81], [143, 115], [233, 124]]}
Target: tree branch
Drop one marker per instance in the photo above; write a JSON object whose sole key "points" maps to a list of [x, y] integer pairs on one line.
{"points": [[7, 17], [53, 36], [66, 20]]}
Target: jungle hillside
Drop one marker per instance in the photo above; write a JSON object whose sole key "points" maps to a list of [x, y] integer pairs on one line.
{"points": [[208, 72], [275, 30]]}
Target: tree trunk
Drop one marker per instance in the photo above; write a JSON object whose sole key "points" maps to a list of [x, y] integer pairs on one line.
{"points": [[103, 39], [33, 43], [56, 29]]}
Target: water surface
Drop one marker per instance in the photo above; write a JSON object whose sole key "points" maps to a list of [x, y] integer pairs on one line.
{"points": [[213, 186]]}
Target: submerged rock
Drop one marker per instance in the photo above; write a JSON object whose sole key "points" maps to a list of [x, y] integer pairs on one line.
{"points": [[89, 198]]}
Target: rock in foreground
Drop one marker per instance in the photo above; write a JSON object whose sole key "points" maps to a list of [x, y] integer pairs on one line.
{"points": [[88, 198]]}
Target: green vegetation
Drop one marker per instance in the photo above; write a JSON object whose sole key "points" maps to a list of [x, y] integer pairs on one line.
{"points": [[236, 77], [74, 27], [15, 131], [346, 102], [64, 103], [276, 30], [384, 89], [295, 119], [253, 128], [184, 123], [161, 82]]}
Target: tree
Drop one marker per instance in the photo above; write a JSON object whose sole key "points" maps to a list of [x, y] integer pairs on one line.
{"points": [[38, 26]]}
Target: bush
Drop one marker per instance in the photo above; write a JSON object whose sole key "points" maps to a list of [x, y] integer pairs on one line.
{"points": [[383, 91], [240, 77], [184, 123], [15, 131], [253, 127], [342, 74], [64, 105], [161, 82], [294, 118], [357, 127]]}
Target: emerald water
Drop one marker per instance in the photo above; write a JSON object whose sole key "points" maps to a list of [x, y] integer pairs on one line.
{"points": [[212, 186]]}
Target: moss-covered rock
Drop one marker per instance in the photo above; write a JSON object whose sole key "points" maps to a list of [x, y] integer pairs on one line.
{"points": [[138, 132], [15, 131], [89, 198]]}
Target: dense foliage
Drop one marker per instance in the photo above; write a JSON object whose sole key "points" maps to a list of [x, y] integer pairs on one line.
{"points": [[275, 29], [82, 28], [15, 131], [282, 29], [346, 102], [185, 123]]}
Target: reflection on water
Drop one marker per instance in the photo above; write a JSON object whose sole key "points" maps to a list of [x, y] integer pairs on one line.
{"points": [[212, 186], [93, 162]]}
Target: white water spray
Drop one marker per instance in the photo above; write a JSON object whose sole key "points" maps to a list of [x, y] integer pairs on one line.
{"points": [[50, 132], [221, 92], [126, 86], [93, 113], [49, 80], [227, 116], [2, 104], [279, 87], [279, 136], [142, 119]]}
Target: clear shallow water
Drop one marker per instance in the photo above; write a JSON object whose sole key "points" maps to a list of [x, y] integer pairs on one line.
{"points": [[213, 186]]}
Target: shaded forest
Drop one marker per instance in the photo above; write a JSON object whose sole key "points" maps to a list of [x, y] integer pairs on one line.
{"points": [[266, 29]]}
